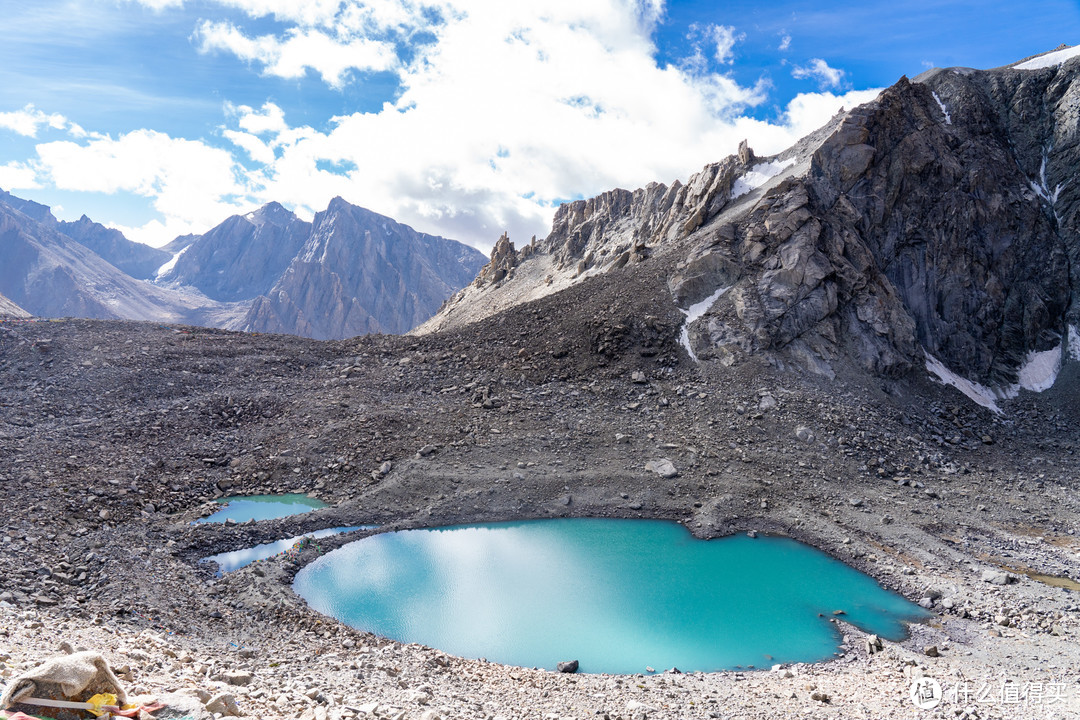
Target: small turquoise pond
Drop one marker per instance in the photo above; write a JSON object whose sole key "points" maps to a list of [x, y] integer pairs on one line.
{"points": [[236, 559], [616, 595], [262, 507]]}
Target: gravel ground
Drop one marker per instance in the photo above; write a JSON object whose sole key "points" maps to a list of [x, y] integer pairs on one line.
{"points": [[115, 436]]}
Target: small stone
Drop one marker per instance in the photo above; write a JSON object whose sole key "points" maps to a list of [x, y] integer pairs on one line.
{"points": [[804, 433], [1057, 631], [426, 450], [821, 697], [638, 377], [1003, 620], [636, 706], [662, 467], [855, 502], [931, 651], [926, 602], [568, 666], [767, 402], [385, 468]]}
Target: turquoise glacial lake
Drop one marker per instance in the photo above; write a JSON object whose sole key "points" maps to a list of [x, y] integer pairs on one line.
{"points": [[262, 507], [616, 595]]}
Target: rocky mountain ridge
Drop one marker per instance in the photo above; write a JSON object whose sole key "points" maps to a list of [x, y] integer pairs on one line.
{"points": [[358, 272], [267, 271], [936, 223]]}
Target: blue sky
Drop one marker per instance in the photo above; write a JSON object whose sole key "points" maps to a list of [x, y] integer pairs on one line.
{"points": [[463, 118]]}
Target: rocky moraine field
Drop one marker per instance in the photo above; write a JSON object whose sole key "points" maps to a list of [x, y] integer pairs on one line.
{"points": [[116, 436]]}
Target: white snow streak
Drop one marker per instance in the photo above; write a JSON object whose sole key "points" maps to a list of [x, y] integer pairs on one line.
{"points": [[1049, 59], [169, 265], [758, 175], [693, 313], [944, 110], [1039, 371], [1037, 374], [981, 394], [1042, 189]]}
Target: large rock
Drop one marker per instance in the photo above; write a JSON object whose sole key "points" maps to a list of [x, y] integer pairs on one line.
{"points": [[72, 677]]}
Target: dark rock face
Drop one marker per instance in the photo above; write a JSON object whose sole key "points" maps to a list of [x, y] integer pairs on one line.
{"points": [[242, 257], [136, 259], [359, 272], [940, 218]]}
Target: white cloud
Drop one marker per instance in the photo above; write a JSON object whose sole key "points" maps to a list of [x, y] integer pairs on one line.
{"points": [[159, 5], [29, 120], [505, 109], [726, 38], [190, 183], [818, 69], [18, 176], [270, 118], [497, 122], [808, 111], [299, 51], [785, 43]]}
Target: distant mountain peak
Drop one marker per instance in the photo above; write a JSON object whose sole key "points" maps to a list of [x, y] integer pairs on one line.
{"points": [[272, 212]]}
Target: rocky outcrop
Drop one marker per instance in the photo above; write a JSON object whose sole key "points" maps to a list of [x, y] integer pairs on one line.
{"points": [[938, 219], [908, 233], [359, 272]]}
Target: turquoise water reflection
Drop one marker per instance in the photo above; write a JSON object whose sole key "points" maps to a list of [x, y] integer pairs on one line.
{"points": [[262, 507], [617, 595]]}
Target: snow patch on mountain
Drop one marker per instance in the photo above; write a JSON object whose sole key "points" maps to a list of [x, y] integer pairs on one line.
{"points": [[693, 314], [944, 110], [981, 394], [166, 268], [1049, 59], [758, 175], [1038, 374]]}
